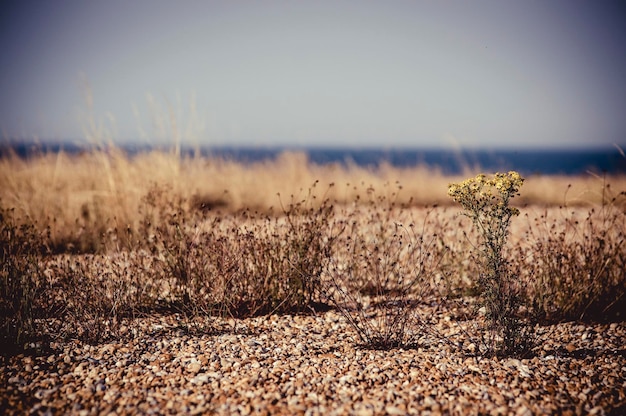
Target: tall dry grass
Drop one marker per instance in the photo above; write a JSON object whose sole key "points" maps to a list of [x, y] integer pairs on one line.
{"points": [[81, 197]]}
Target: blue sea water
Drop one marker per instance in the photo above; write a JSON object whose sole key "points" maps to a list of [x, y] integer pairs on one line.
{"points": [[526, 161]]}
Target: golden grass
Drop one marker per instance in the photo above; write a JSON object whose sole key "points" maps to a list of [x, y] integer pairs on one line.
{"points": [[107, 186]]}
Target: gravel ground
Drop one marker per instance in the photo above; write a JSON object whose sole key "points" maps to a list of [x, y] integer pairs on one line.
{"points": [[313, 365]]}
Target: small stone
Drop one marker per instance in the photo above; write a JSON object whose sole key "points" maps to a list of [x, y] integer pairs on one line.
{"points": [[200, 379], [474, 369], [79, 369], [393, 410], [15, 380], [194, 367]]}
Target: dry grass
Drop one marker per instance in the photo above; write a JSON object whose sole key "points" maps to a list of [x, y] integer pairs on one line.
{"points": [[80, 197], [204, 236]]}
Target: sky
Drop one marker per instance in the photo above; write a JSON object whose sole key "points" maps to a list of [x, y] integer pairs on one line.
{"points": [[425, 74]]}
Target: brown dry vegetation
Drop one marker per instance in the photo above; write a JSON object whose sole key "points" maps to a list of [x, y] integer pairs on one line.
{"points": [[92, 240], [81, 196]]}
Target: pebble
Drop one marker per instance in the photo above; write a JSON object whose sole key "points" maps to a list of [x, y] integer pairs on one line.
{"points": [[312, 365]]}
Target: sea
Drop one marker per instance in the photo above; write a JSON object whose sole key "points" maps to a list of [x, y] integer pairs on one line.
{"points": [[565, 161]]}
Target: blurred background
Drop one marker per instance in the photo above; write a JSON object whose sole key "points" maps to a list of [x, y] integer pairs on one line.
{"points": [[506, 78]]}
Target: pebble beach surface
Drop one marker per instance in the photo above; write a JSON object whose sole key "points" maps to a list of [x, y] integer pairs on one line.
{"points": [[313, 365]]}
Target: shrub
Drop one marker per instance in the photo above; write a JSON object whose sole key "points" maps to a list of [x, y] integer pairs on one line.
{"points": [[20, 280], [181, 243], [97, 297], [578, 263], [487, 203], [243, 264], [385, 276], [281, 258]]}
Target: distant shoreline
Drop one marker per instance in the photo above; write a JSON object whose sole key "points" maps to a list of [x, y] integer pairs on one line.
{"points": [[550, 161]]}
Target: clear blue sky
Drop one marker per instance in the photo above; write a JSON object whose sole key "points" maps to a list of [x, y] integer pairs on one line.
{"points": [[315, 73]]}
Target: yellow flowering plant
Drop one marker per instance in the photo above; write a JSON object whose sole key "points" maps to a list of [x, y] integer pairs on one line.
{"points": [[486, 201]]}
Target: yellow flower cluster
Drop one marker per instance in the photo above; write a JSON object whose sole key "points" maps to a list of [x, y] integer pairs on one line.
{"points": [[484, 193], [480, 190]]}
